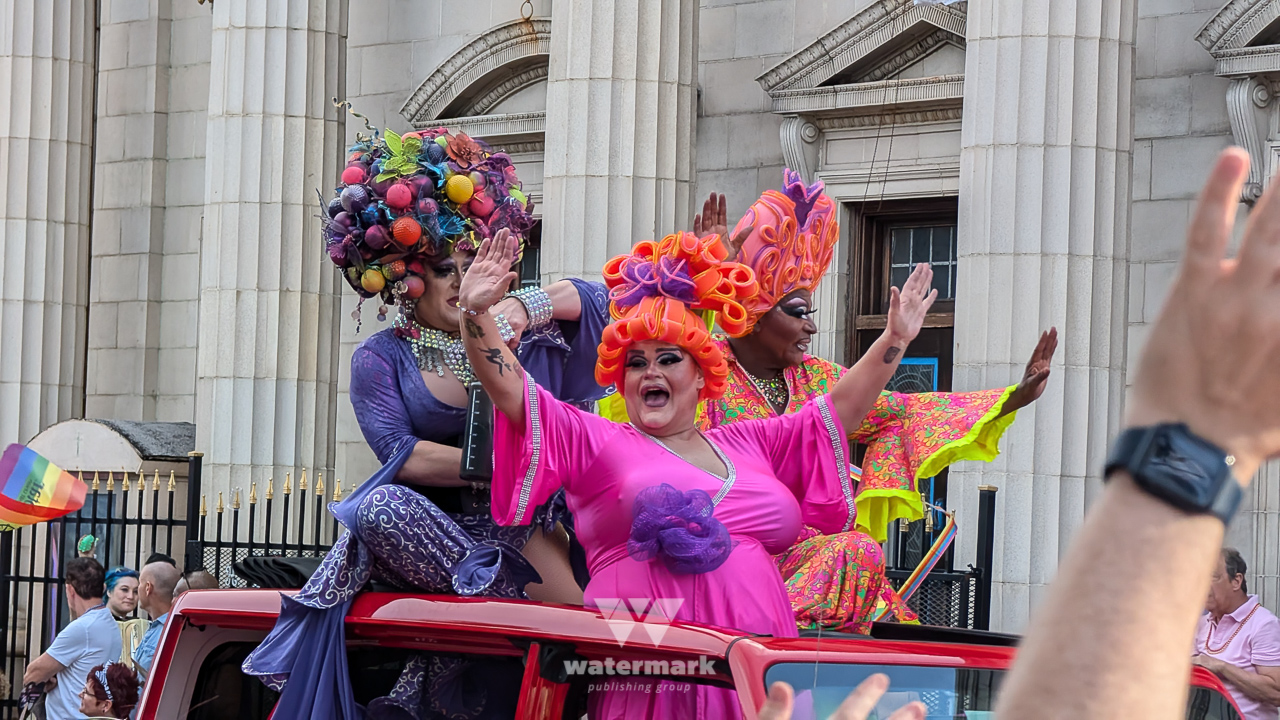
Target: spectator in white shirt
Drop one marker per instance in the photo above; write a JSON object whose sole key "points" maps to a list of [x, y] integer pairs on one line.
{"points": [[92, 638]]}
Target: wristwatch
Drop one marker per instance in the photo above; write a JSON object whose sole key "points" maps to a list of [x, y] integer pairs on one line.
{"points": [[1186, 471]]}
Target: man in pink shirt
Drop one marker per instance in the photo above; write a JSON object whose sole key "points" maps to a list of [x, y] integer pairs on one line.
{"points": [[1239, 640]]}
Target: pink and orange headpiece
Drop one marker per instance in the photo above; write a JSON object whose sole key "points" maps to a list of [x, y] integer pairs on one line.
{"points": [[792, 244], [654, 293]]}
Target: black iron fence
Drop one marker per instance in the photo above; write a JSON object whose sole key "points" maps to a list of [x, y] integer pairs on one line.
{"points": [[132, 517], [296, 523]]}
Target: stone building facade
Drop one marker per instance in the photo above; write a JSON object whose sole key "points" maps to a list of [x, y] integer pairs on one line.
{"points": [[161, 260]]}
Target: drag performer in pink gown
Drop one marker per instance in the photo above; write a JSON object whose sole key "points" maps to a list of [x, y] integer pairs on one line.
{"points": [[666, 511]]}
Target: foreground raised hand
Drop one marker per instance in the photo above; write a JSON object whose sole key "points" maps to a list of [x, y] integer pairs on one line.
{"points": [[1112, 638], [857, 706]]}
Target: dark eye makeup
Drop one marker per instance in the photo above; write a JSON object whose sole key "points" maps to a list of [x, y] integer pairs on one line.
{"points": [[797, 311]]}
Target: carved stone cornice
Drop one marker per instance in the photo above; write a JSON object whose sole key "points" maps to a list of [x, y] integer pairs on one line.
{"points": [[1248, 61], [857, 38], [503, 45], [909, 55], [918, 117], [941, 90], [1237, 24], [516, 127]]}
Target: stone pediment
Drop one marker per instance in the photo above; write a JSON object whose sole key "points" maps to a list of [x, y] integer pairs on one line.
{"points": [[896, 61], [867, 61], [1244, 37], [472, 90]]}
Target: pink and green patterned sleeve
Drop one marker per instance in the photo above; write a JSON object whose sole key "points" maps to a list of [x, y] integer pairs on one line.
{"points": [[915, 436]]}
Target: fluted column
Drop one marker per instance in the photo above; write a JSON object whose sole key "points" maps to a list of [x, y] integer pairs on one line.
{"points": [[1043, 240], [46, 160], [267, 362], [621, 106]]}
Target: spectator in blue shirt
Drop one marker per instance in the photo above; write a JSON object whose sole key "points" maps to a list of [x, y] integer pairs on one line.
{"points": [[155, 597]]}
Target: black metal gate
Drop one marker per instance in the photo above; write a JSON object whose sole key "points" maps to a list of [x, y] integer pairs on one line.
{"points": [[131, 516]]}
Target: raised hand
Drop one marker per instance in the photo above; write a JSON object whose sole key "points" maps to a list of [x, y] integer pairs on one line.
{"points": [[714, 220], [909, 306], [1036, 375], [1210, 360], [490, 274]]}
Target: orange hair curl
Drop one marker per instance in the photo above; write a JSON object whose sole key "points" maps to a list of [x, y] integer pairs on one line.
{"points": [[654, 292], [792, 244]]}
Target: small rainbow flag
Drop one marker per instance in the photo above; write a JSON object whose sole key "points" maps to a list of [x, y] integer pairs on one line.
{"points": [[33, 490]]}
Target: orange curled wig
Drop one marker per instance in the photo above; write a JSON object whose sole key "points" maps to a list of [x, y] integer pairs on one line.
{"points": [[654, 292], [792, 244]]}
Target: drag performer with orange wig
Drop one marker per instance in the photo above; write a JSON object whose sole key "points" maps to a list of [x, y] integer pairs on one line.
{"points": [[836, 581], [667, 513]]}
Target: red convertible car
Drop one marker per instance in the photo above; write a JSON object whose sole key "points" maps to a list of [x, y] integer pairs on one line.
{"points": [[558, 655]]}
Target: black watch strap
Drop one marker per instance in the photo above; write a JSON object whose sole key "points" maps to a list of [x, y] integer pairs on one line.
{"points": [[1179, 467]]}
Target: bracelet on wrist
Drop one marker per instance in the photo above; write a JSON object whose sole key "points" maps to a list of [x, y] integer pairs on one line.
{"points": [[505, 331], [537, 304]]}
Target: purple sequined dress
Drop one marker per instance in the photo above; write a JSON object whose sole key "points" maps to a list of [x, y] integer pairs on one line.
{"points": [[401, 539]]}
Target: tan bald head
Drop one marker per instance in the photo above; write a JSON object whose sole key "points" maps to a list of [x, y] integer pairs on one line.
{"points": [[198, 580], [156, 584]]}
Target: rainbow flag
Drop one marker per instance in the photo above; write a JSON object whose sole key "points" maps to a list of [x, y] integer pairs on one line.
{"points": [[33, 490]]}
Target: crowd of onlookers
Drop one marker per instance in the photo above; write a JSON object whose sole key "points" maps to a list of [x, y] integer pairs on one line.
{"points": [[98, 664]]}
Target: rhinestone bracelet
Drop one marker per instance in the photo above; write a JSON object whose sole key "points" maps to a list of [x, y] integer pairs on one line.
{"points": [[537, 303], [505, 331]]}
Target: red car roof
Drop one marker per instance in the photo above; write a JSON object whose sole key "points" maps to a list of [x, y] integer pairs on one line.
{"points": [[475, 622]]}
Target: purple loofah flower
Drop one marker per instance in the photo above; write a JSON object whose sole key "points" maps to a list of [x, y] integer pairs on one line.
{"points": [[679, 529]]}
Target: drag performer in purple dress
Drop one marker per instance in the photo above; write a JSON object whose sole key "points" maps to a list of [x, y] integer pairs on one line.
{"points": [[416, 525]]}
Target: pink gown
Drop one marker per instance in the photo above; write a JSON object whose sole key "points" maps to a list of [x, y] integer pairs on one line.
{"points": [[780, 470]]}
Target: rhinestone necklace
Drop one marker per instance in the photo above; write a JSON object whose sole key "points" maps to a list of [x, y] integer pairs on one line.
{"points": [[435, 349], [774, 389]]}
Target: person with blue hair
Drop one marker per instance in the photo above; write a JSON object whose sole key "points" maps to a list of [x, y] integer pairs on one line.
{"points": [[121, 598]]}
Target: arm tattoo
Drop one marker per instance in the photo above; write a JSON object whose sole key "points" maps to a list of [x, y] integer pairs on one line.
{"points": [[494, 355], [473, 329], [891, 354]]}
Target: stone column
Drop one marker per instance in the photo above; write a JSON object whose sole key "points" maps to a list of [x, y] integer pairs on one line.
{"points": [[1043, 240], [46, 160], [621, 111], [267, 368]]}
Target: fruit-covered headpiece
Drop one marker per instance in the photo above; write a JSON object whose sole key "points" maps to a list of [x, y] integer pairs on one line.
{"points": [[654, 293], [407, 199]]}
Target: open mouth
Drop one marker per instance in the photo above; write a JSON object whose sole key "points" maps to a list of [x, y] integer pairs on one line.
{"points": [[803, 345], [655, 396], [453, 301]]}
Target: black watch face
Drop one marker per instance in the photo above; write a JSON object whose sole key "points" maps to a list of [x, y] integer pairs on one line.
{"points": [[1184, 470]]}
